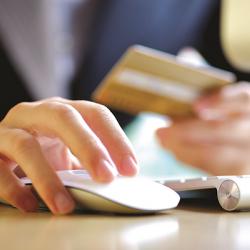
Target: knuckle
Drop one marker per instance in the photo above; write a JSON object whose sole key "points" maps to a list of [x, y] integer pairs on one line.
{"points": [[100, 111], [62, 110], [65, 112], [58, 110]]}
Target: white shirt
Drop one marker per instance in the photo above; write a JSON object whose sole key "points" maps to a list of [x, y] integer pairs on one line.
{"points": [[45, 40]]}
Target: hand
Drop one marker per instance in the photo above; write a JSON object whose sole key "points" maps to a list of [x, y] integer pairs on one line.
{"points": [[218, 139], [43, 136]]}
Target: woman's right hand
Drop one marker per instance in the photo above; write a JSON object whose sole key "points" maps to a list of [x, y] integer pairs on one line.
{"points": [[40, 137]]}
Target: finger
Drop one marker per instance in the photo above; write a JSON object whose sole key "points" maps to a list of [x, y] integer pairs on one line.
{"points": [[22, 148], [14, 192], [106, 127], [230, 131], [229, 101], [65, 122], [57, 154], [214, 159]]}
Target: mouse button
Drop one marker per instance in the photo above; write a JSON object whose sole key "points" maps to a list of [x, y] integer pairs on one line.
{"points": [[79, 172], [85, 184], [69, 173], [72, 177], [89, 201], [140, 193]]}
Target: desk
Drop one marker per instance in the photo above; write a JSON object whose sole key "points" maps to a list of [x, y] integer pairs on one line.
{"points": [[189, 227], [193, 225]]}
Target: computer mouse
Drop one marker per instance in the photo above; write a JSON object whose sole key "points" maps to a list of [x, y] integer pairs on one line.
{"points": [[126, 195]]}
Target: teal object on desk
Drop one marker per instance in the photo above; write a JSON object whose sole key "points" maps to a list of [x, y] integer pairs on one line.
{"points": [[154, 161]]}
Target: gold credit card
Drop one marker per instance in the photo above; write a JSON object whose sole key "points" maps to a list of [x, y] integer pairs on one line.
{"points": [[147, 80]]}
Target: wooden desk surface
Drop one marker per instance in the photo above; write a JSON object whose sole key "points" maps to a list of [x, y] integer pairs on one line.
{"points": [[188, 227]]}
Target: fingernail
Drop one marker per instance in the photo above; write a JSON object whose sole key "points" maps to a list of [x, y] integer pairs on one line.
{"points": [[129, 166], [64, 204], [105, 172]]}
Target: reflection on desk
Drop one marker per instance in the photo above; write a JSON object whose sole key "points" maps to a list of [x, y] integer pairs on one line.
{"points": [[188, 227]]}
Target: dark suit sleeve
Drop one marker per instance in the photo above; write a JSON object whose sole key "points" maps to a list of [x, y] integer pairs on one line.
{"points": [[12, 89]]}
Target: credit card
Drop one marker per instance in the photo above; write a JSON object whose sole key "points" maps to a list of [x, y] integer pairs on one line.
{"points": [[148, 80]]}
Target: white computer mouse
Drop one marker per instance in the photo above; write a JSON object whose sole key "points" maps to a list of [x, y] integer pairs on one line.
{"points": [[123, 195]]}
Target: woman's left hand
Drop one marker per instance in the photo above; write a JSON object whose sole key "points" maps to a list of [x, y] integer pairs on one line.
{"points": [[218, 139]]}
